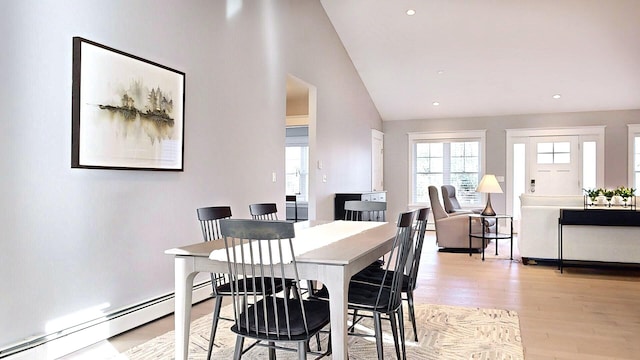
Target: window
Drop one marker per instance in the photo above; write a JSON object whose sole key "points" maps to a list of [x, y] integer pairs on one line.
{"points": [[297, 179], [554, 153], [446, 158], [297, 162]]}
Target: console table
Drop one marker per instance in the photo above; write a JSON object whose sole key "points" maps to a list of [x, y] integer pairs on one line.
{"points": [[593, 217]]}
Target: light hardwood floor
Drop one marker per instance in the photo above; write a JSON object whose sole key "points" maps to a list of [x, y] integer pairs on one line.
{"points": [[585, 313]]}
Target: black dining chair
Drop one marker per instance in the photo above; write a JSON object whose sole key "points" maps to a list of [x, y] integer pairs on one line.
{"points": [[264, 211], [374, 299], [209, 218], [410, 273], [269, 211], [264, 249], [358, 210]]}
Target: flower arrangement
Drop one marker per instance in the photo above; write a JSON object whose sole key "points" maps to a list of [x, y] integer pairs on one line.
{"points": [[622, 191], [592, 193], [608, 193], [625, 192]]}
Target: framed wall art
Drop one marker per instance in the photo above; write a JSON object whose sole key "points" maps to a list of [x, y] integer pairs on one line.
{"points": [[127, 112]]}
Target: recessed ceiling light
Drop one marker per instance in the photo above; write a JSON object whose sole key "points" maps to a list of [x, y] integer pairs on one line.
{"points": [[435, 103], [557, 96], [440, 72], [411, 12]]}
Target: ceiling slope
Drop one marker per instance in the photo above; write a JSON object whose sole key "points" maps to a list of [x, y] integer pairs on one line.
{"points": [[492, 57]]}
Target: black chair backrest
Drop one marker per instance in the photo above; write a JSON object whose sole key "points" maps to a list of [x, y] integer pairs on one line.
{"points": [[357, 210], [254, 251], [394, 270], [266, 211], [209, 220], [420, 230], [210, 224]]}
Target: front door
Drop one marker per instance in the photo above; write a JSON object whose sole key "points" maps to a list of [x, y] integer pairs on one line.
{"points": [[554, 166]]}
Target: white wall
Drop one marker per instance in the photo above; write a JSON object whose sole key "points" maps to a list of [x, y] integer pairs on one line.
{"points": [[76, 238], [396, 147]]}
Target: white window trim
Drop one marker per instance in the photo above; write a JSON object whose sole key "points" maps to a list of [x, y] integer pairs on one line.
{"points": [[464, 135], [633, 131]]}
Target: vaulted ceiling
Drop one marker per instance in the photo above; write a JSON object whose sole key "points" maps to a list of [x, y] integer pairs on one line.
{"points": [[492, 57]]}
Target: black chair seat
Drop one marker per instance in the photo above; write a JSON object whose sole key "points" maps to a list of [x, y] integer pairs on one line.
{"points": [[363, 296], [378, 298], [260, 315], [253, 285], [375, 275], [316, 313]]}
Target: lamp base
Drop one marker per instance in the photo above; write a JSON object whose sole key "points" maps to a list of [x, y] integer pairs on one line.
{"points": [[488, 210]]}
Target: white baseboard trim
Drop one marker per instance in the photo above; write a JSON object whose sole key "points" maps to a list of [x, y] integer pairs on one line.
{"points": [[73, 339]]}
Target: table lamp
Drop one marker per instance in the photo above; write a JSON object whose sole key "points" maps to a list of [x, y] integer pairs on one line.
{"points": [[489, 184]]}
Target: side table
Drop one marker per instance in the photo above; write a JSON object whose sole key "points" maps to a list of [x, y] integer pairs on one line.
{"points": [[487, 235]]}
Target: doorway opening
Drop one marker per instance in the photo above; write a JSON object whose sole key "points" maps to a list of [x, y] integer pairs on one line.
{"points": [[299, 149]]}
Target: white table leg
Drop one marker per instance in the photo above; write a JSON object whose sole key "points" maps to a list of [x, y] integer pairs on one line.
{"points": [[338, 285], [184, 275]]}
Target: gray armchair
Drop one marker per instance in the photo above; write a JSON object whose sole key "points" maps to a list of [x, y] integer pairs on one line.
{"points": [[452, 232], [451, 204]]}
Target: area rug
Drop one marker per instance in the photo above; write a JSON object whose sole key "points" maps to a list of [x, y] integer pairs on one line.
{"points": [[444, 332]]}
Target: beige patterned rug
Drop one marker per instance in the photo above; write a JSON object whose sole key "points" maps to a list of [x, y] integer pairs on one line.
{"points": [[444, 332]]}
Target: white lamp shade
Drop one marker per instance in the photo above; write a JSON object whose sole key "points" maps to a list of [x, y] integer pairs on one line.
{"points": [[489, 184]]}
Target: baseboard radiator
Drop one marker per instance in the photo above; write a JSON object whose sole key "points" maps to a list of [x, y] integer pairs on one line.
{"points": [[64, 342]]}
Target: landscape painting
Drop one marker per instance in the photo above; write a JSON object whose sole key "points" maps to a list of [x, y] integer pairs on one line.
{"points": [[127, 112]]}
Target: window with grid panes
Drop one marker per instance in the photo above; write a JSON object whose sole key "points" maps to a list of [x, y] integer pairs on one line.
{"points": [[447, 162]]}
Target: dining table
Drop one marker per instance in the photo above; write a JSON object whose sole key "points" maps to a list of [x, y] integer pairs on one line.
{"points": [[329, 252]]}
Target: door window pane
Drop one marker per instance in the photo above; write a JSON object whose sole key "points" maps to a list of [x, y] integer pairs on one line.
{"points": [[545, 158], [561, 147], [545, 148], [554, 153], [561, 158]]}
